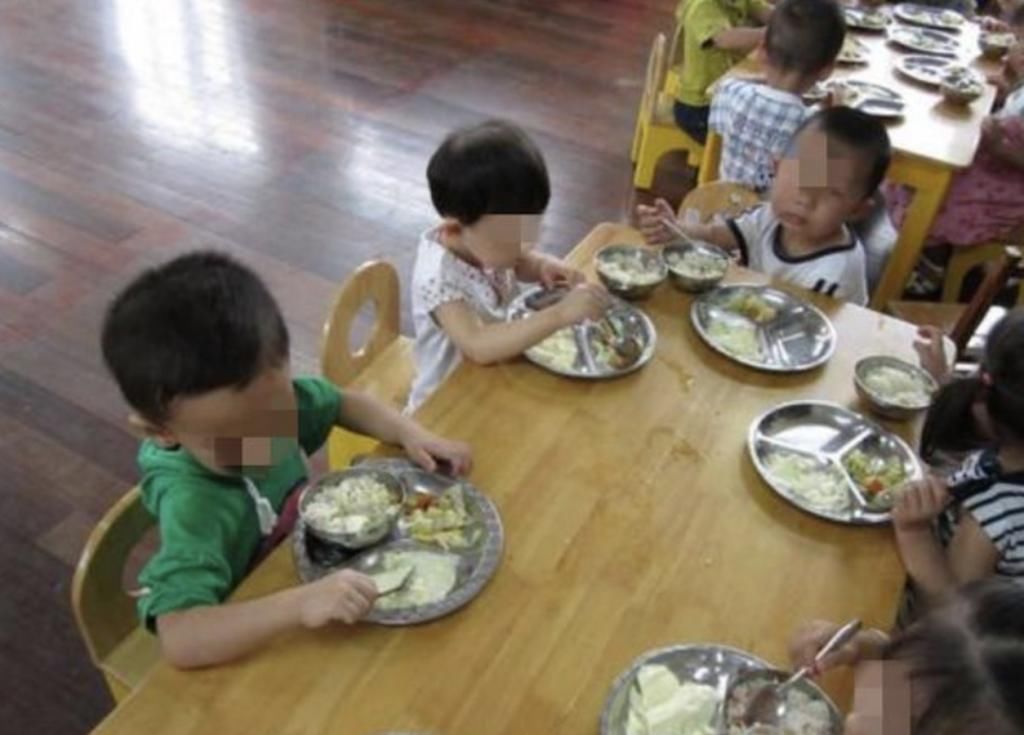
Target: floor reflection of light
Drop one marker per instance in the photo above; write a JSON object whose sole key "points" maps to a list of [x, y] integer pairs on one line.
{"points": [[187, 84]]}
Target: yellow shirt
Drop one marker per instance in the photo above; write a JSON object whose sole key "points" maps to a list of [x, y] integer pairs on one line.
{"points": [[703, 64]]}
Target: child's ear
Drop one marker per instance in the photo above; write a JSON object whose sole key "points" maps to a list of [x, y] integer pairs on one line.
{"points": [[143, 427]]}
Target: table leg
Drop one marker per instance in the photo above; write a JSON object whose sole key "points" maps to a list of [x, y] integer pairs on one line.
{"points": [[930, 182]]}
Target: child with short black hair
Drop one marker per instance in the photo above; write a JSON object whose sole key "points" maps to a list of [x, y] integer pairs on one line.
{"points": [[957, 671], [490, 185], [716, 35], [828, 176], [199, 350], [969, 524], [757, 119]]}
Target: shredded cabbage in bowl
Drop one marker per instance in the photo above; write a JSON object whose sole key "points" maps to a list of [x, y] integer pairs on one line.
{"points": [[897, 387], [354, 505]]}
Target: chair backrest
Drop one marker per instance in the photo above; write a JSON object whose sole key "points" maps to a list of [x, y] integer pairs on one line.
{"points": [[719, 197], [992, 284], [653, 79], [104, 610], [376, 282]]}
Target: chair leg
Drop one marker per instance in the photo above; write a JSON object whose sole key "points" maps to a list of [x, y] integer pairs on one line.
{"points": [[646, 163]]}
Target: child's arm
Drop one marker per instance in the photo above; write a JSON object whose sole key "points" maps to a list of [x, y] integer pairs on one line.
{"points": [[738, 40], [486, 343], [550, 271], [365, 414], [937, 572], [930, 346], [651, 224], [716, 233], [216, 634]]}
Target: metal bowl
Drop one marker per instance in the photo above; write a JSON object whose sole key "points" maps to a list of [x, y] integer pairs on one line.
{"points": [[878, 403], [649, 259], [367, 536], [959, 96], [995, 45], [690, 283]]}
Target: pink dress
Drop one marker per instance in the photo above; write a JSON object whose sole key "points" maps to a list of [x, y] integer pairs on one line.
{"points": [[985, 201]]}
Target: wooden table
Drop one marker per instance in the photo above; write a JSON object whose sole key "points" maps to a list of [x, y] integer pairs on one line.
{"points": [[634, 519], [931, 142]]}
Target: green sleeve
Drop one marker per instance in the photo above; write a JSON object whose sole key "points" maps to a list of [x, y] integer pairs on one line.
{"points": [[190, 569], [319, 402], [706, 20]]}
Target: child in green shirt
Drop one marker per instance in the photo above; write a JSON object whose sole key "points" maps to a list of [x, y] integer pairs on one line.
{"points": [[716, 35], [199, 349]]}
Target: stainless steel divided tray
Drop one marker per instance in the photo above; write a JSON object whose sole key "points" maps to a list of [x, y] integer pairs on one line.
{"points": [[586, 350], [803, 451], [474, 565], [764, 328]]}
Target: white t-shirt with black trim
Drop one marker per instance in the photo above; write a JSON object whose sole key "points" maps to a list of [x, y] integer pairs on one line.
{"points": [[439, 277], [995, 500], [838, 270]]}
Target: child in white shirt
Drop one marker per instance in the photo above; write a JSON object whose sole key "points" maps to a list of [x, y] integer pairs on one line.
{"points": [[757, 119], [489, 183], [829, 176]]}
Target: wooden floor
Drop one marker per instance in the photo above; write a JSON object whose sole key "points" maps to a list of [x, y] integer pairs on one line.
{"points": [[294, 134]]}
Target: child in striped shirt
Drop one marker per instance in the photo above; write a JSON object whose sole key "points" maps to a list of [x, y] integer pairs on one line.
{"points": [[970, 524]]}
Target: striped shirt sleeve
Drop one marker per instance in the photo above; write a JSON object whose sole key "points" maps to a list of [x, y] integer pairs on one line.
{"points": [[1000, 513]]}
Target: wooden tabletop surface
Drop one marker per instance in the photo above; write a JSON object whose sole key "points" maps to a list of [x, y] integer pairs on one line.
{"points": [[634, 520], [931, 128]]}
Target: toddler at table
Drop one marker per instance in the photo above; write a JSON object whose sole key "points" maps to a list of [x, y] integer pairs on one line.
{"points": [[958, 671], [757, 119], [199, 350], [828, 176], [489, 184], [716, 35], [969, 524]]}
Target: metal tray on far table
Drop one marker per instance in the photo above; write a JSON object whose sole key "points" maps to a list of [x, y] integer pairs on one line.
{"points": [[797, 337], [589, 338], [925, 69], [924, 40], [825, 434], [708, 664], [931, 17], [475, 565]]}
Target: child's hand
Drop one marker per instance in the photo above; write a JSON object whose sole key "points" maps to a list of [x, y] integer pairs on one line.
{"points": [[808, 640], [989, 23], [346, 596], [930, 346], [586, 301], [920, 503], [427, 449], [649, 222], [556, 273]]}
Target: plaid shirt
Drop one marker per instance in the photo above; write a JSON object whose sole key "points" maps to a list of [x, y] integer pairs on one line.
{"points": [[756, 122]]}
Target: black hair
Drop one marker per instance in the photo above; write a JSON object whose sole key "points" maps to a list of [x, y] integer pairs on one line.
{"points": [[805, 36], [857, 131], [490, 168], [969, 660], [198, 323], [999, 386]]}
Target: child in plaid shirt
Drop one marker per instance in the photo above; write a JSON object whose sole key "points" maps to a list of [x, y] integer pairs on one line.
{"points": [[828, 176], [757, 119]]}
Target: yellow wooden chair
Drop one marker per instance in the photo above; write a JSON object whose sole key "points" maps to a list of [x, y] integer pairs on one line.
{"points": [[119, 646], [964, 260], [656, 132], [712, 159], [383, 365], [719, 197]]}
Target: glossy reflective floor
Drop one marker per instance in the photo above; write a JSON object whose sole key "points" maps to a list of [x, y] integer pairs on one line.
{"points": [[294, 134]]}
